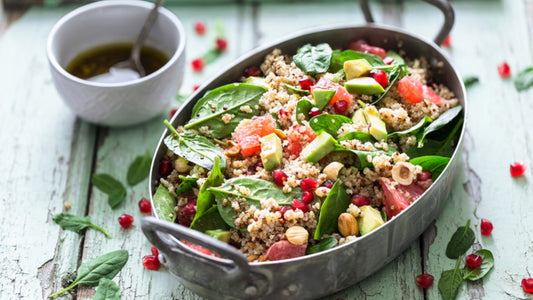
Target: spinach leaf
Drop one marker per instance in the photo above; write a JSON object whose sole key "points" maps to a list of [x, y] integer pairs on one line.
{"points": [[442, 120], [303, 107], [364, 158], [434, 147], [227, 99], [253, 190], [105, 266], [205, 198], [524, 79], [413, 130], [209, 220], [110, 186], [358, 135], [194, 148], [323, 245], [470, 81], [76, 224], [336, 203], [396, 73], [164, 204], [398, 60], [450, 281], [107, 290], [313, 59], [295, 90], [139, 169], [433, 163], [328, 123], [186, 184], [461, 240], [481, 271], [339, 57]]}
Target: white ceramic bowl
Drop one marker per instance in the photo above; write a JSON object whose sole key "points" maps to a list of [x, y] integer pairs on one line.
{"points": [[109, 22]]}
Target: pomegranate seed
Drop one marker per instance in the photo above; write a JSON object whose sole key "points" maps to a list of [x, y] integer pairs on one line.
{"points": [[424, 280], [198, 64], [517, 169], [200, 27], [388, 60], [473, 261], [307, 197], [221, 44], [305, 84], [190, 208], [504, 70], [308, 184], [328, 183], [313, 112], [340, 106], [283, 210], [425, 175], [279, 177], [527, 285], [172, 112], [486, 227], [259, 164], [165, 167], [251, 71], [196, 87], [154, 250], [447, 42], [125, 220], [297, 204], [144, 206], [151, 262], [283, 113], [381, 77], [360, 200]]}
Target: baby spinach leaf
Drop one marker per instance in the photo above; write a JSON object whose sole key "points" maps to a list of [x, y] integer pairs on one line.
{"points": [[209, 220], [461, 240], [164, 204], [110, 186], [438, 123], [328, 123], [450, 281], [339, 57], [295, 90], [524, 79], [105, 266], [433, 163], [107, 290], [481, 271], [205, 198], [470, 81], [363, 137], [413, 130], [116, 198], [139, 169], [396, 73], [336, 203], [398, 60], [303, 107], [363, 156], [76, 224], [323, 245], [227, 99], [434, 147], [313, 59], [194, 148], [186, 184]]}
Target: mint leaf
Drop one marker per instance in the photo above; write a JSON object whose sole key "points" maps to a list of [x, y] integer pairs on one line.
{"points": [[481, 271], [461, 241], [470, 80], [139, 169], [450, 281], [524, 79]]}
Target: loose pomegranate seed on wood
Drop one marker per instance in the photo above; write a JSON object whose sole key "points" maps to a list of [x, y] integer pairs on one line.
{"points": [[517, 169], [424, 280], [198, 64], [486, 227], [527, 285], [144, 206], [154, 251], [504, 70], [200, 28], [447, 42], [221, 44], [151, 262], [473, 261], [125, 220]]}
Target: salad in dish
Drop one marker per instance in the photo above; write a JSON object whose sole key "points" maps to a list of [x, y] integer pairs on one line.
{"points": [[309, 150]]}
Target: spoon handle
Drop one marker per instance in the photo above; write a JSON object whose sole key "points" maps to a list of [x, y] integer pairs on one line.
{"points": [[143, 35]]}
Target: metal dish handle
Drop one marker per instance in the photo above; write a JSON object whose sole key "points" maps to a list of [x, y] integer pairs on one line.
{"points": [[153, 228], [444, 6]]}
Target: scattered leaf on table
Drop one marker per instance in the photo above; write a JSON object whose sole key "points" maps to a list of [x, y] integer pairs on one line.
{"points": [[139, 169], [76, 224]]}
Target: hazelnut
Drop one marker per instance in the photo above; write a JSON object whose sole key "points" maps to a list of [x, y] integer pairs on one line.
{"points": [[332, 170], [232, 149], [347, 225], [297, 235], [403, 173]]}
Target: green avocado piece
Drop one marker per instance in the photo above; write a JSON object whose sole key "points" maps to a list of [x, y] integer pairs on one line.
{"points": [[323, 144], [219, 234], [356, 68], [259, 81], [370, 220], [322, 97], [271, 151], [377, 129], [359, 116], [363, 85]]}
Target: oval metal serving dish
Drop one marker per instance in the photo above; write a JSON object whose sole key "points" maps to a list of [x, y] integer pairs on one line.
{"points": [[323, 273]]}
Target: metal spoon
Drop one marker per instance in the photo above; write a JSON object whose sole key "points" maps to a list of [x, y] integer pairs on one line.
{"points": [[132, 68]]}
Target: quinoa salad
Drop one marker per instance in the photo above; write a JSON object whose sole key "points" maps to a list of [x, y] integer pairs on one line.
{"points": [[309, 150]]}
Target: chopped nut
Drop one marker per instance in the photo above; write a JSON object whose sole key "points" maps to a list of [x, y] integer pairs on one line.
{"points": [[297, 235], [252, 258], [67, 204], [281, 134], [232, 149], [332, 170], [322, 191], [182, 165], [403, 173], [347, 225]]}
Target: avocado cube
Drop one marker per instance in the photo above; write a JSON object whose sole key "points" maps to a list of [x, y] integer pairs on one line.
{"points": [[322, 97], [377, 129], [321, 146], [359, 117], [363, 85], [370, 219], [271, 151], [356, 68], [219, 234]]}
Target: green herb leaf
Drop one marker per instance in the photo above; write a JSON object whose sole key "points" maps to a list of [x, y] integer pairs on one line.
{"points": [[450, 281], [76, 224], [323, 245], [336, 203], [116, 197], [398, 60], [444, 119], [339, 57], [461, 241], [434, 147], [210, 220], [413, 130], [394, 74], [105, 266], [110, 186], [363, 137], [481, 271], [328, 123], [164, 204], [302, 108], [186, 184], [107, 290], [433, 163], [227, 99], [139, 169], [313, 59], [206, 199], [470, 81], [524, 79], [295, 90]]}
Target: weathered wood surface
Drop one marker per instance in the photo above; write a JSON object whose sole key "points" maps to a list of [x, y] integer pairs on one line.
{"points": [[48, 155]]}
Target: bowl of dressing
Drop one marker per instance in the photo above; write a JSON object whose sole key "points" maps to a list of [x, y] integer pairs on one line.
{"points": [[85, 43]]}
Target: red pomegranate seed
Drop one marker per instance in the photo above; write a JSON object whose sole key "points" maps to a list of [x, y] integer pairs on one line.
{"points": [[200, 27], [297, 204], [165, 168], [340, 106], [144, 206], [125, 220], [388, 60], [151, 262], [279, 177], [154, 250], [251, 71], [527, 285], [473, 261], [425, 175], [360, 200], [190, 208], [486, 227], [283, 210], [504, 70], [328, 183], [424, 280], [307, 197], [196, 87], [198, 64], [308, 184], [305, 84], [381, 77], [221, 44], [313, 112], [447, 42], [517, 169], [172, 112], [283, 113]]}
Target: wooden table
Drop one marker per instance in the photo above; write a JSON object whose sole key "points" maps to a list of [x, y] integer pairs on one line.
{"points": [[48, 155]]}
